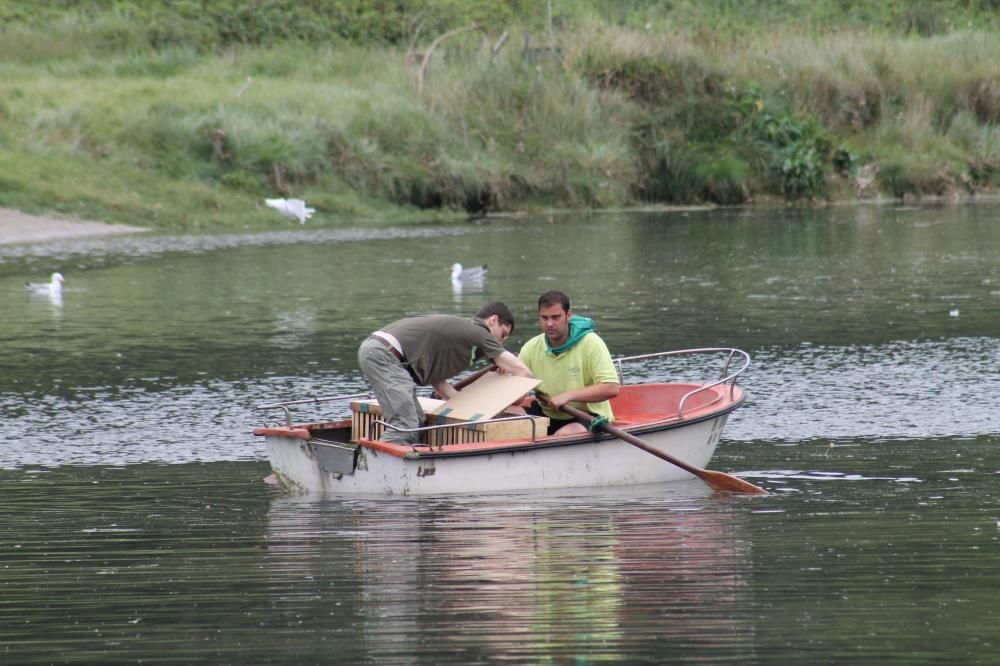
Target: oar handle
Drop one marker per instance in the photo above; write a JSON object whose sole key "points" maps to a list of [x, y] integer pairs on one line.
{"points": [[462, 383]]}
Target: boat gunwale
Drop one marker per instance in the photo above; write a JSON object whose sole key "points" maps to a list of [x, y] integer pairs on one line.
{"points": [[424, 452]]}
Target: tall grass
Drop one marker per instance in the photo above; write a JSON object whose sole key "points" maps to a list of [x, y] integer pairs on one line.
{"points": [[282, 121], [597, 115], [858, 94]]}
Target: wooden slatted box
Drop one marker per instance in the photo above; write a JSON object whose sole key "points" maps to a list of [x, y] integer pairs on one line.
{"points": [[479, 401], [365, 412], [471, 431]]}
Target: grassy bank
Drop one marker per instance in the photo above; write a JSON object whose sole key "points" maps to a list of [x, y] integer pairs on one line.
{"points": [[106, 116]]}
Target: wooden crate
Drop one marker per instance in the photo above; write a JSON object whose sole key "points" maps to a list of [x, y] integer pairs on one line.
{"points": [[468, 432], [364, 412]]}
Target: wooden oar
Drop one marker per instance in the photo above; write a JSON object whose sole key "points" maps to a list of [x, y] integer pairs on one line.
{"points": [[462, 383], [718, 481]]}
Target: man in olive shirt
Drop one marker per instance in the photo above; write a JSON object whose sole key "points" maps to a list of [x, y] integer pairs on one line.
{"points": [[427, 351], [573, 363]]}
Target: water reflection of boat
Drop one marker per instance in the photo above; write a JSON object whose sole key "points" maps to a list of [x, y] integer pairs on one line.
{"points": [[681, 419], [616, 574]]}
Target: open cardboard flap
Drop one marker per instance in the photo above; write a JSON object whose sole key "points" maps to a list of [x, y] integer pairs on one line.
{"points": [[486, 397]]}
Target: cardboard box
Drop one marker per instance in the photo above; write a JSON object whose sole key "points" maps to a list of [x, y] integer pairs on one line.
{"points": [[482, 400], [486, 397]]}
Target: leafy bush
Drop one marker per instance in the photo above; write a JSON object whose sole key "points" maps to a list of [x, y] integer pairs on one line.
{"points": [[794, 151]]}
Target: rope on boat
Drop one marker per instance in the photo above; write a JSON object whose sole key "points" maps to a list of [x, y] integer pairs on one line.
{"points": [[597, 422]]}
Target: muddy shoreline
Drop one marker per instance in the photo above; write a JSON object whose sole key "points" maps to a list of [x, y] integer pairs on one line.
{"points": [[18, 227]]}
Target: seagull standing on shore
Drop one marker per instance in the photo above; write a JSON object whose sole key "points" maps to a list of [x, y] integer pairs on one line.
{"points": [[51, 288], [293, 209]]}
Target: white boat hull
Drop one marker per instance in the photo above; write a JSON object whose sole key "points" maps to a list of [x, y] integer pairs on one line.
{"points": [[580, 462], [680, 419]]}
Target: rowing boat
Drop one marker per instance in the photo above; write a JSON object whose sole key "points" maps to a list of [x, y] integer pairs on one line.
{"points": [[683, 419]]}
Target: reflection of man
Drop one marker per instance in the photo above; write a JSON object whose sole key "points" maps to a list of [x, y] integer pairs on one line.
{"points": [[427, 350], [573, 363]]}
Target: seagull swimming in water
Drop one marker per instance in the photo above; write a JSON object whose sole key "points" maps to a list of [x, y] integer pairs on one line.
{"points": [[51, 288], [474, 274], [293, 209]]}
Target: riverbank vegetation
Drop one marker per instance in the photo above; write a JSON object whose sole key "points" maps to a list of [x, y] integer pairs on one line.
{"points": [[188, 114]]}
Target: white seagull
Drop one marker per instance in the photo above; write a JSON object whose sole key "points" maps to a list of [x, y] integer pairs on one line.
{"points": [[474, 274], [293, 209], [51, 288]]}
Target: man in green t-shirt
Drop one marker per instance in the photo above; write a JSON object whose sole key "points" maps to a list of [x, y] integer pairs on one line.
{"points": [[573, 363], [427, 351]]}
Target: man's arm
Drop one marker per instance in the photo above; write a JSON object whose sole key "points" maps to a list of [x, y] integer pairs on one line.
{"points": [[592, 393], [512, 365], [599, 370], [506, 361], [444, 389]]}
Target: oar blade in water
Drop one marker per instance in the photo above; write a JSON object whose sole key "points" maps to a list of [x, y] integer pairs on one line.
{"points": [[722, 482]]}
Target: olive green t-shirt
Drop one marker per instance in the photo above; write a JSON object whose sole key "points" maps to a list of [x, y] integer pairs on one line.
{"points": [[438, 347]]}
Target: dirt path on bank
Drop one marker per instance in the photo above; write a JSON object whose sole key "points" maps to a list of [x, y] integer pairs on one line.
{"points": [[18, 227]]}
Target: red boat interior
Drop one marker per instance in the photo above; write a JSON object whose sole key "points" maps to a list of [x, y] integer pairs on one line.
{"points": [[642, 403]]}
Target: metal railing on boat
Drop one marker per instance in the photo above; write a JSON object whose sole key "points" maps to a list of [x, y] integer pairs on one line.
{"points": [[459, 426], [727, 377], [284, 405]]}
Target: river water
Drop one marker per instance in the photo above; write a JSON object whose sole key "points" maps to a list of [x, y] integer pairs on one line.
{"points": [[136, 526]]}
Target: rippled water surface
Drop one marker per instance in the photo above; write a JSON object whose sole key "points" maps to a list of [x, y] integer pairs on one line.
{"points": [[136, 526]]}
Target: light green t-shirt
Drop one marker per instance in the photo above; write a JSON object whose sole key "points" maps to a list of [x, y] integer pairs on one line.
{"points": [[588, 362]]}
